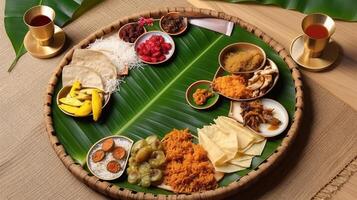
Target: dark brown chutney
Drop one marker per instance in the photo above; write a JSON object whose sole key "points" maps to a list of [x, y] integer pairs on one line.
{"points": [[173, 24], [130, 32]]}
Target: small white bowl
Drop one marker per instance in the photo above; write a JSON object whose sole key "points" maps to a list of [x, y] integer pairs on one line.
{"points": [[147, 36], [279, 112], [95, 168]]}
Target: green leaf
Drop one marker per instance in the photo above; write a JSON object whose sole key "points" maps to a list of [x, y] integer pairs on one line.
{"points": [[152, 100], [338, 9], [16, 30]]}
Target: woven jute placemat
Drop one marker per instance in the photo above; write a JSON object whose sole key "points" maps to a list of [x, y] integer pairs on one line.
{"points": [[338, 181], [219, 193]]}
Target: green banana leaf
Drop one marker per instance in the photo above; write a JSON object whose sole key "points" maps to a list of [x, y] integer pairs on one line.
{"points": [[66, 10], [152, 100], [338, 9]]}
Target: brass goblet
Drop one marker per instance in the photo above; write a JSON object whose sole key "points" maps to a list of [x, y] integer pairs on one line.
{"points": [[39, 19], [314, 47], [44, 39]]}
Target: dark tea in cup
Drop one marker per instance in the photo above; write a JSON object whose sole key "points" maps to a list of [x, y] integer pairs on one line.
{"points": [[40, 20], [317, 31]]}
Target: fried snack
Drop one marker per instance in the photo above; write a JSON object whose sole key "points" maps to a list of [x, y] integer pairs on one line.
{"points": [[119, 153], [98, 156], [254, 114], [108, 144], [233, 86], [113, 166], [201, 95], [187, 168], [243, 61]]}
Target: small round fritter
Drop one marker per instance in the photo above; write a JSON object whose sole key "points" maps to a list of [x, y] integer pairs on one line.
{"points": [[113, 166], [108, 144], [119, 153], [98, 155]]}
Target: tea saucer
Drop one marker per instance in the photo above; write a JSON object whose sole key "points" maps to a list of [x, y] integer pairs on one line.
{"points": [[328, 57], [38, 51]]}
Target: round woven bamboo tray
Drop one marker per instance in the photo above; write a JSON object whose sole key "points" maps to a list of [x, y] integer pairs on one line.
{"points": [[114, 191]]}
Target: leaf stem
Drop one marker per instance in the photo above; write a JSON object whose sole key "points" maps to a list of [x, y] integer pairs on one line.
{"points": [[13, 64]]}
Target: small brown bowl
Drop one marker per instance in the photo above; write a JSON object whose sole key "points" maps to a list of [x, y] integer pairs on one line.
{"points": [[65, 90], [146, 36], [176, 14], [129, 24], [240, 46]]}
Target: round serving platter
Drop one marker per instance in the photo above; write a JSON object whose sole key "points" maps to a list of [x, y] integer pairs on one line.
{"points": [[72, 138]]}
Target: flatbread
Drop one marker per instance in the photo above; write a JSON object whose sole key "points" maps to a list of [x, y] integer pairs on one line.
{"points": [[229, 168], [97, 61], [87, 76], [242, 160], [214, 153], [246, 137], [230, 146], [256, 149]]}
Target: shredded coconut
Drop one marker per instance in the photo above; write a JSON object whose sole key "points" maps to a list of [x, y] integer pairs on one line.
{"points": [[119, 52], [113, 85]]}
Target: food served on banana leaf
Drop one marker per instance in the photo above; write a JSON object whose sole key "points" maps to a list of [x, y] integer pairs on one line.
{"points": [[254, 114], [130, 32], [187, 167], [173, 23], [146, 162], [154, 49], [87, 77], [113, 166], [98, 155], [263, 79], [243, 61], [248, 85], [200, 96], [81, 102], [271, 111], [121, 54], [233, 86], [119, 153], [93, 68], [230, 146], [108, 157], [108, 145]]}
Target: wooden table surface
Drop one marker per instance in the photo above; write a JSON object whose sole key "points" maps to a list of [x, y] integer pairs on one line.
{"points": [[322, 163]]}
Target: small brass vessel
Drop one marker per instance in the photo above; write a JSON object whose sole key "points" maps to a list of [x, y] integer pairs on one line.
{"points": [[315, 46], [45, 40], [312, 53]]}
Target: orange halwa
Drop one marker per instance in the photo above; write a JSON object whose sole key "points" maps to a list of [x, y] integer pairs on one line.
{"points": [[200, 96], [187, 167], [233, 86]]}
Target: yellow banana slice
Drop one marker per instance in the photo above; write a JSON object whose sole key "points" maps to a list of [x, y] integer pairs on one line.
{"points": [[85, 109], [75, 87], [71, 101], [69, 109], [96, 105]]}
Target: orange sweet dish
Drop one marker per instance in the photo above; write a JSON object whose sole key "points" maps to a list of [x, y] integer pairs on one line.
{"points": [[233, 86], [187, 168]]}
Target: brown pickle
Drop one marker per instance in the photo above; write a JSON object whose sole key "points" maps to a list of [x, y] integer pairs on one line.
{"points": [[130, 32], [173, 24]]}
